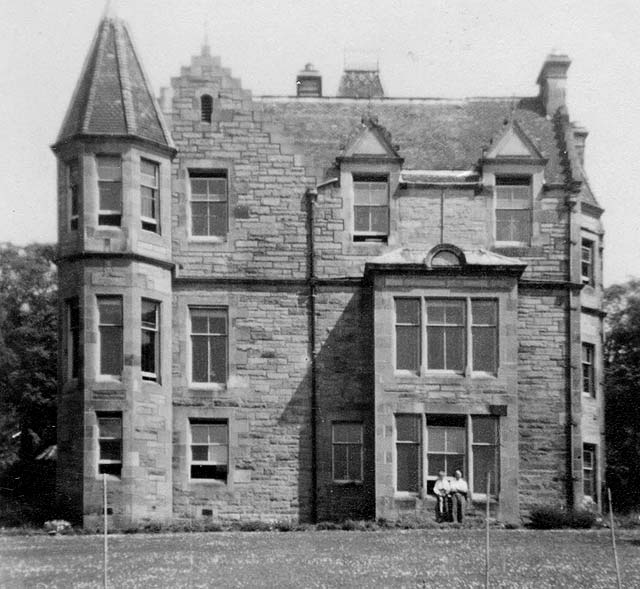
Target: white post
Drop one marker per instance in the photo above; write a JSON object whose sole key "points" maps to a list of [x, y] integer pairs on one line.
{"points": [[613, 540], [105, 524], [486, 540]]}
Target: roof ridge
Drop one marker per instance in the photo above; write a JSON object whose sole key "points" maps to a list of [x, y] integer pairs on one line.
{"points": [[103, 36], [124, 78]]}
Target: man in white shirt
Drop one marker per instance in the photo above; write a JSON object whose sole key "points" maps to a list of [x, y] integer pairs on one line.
{"points": [[459, 496], [441, 489]]}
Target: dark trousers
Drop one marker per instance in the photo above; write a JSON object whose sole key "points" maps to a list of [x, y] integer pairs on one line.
{"points": [[457, 503], [442, 508]]}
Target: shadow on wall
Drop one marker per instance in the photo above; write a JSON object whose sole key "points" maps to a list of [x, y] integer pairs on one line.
{"points": [[345, 392]]}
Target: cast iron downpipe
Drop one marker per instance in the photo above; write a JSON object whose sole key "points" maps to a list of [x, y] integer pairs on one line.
{"points": [[312, 194]]}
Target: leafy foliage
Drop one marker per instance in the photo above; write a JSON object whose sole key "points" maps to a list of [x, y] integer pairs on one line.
{"points": [[546, 517], [622, 385], [28, 351]]}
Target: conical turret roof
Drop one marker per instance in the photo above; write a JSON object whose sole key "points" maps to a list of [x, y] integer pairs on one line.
{"points": [[113, 96]]}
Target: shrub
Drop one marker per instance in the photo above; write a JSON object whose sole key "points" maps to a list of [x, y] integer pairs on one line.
{"points": [[545, 517], [328, 526], [254, 526]]}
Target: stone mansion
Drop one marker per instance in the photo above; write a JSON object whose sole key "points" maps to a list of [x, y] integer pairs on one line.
{"points": [[302, 307]]}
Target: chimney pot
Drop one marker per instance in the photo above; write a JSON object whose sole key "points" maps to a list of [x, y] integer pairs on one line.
{"points": [[309, 82]]}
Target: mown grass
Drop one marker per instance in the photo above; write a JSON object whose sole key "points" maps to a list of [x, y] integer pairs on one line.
{"points": [[393, 558]]}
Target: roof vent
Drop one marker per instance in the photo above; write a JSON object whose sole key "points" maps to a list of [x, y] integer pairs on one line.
{"points": [[309, 82]]}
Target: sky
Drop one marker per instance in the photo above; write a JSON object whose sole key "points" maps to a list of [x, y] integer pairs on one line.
{"points": [[436, 48]]}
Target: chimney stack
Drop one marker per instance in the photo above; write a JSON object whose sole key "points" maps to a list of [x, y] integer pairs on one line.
{"points": [[309, 82], [553, 82], [580, 138]]}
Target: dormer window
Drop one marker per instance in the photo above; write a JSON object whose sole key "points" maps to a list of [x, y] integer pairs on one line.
{"points": [[513, 209], [206, 108], [371, 207]]}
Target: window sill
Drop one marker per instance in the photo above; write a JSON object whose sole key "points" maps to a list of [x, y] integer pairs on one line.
{"points": [[207, 386], [512, 244], [347, 483], [214, 482], [108, 379], [207, 239], [589, 396]]}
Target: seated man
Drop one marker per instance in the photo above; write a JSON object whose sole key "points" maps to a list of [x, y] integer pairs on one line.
{"points": [[441, 489], [459, 496]]}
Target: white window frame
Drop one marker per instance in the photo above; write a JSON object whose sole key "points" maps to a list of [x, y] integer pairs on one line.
{"points": [[215, 308], [99, 298], [106, 461], [591, 449], [588, 349], [359, 235], [153, 184], [469, 324], [335, 443], [214, 173], [587, 246], [110, 212], [74, 183], [513, 243], [73, 331], [155, 330], [192, 462]]}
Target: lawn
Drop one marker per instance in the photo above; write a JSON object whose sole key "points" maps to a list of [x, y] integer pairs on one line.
{"points": [[393, 558]]}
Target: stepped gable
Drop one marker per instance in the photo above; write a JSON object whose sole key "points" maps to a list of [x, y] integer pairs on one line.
{"points": [[113, 95]]}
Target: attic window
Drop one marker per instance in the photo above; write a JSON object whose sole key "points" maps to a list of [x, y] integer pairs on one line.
{"points": [[513, 209], [206, 108], [371, 207]]}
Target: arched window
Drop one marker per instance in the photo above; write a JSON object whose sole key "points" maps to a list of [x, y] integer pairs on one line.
{"points": [[206, 107], [445, 255]]}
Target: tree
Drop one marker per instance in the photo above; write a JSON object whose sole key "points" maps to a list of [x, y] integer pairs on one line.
{"points": [[28, 351], [622, 393]]}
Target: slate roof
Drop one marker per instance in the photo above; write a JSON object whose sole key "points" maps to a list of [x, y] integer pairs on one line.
{"points": [[113, 95]]}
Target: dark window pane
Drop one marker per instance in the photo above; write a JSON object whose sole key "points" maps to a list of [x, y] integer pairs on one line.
{"points": [[109, 167], [408, 474], [408, 311], [148, 351], [199, 321], [437, 437], [217, 218], [209, 471], [513, 225], [485, 349], [408, 347], [408, 428], [455, 313], [436, 464], [200, 453], [110, 196], [455, 348], [110, 310], [218, 433], [111, 220], [110, 427], [110, 350], [456, 440], [199, 187], [340, 463], [110, 468], [217, 189], [435, 312], [435, 348], [218, 359], [217, 324], [355, 468], [380, 219], [148, 315], [485, 461], [147, 202], [484, 312], [347, 432], [199, 218], [111, 450], [200, 434], [361, 219], [485, 430], [200, 355]]}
